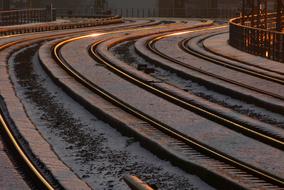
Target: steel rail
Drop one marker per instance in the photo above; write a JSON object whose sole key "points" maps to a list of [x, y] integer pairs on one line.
{"points": [[24, 156], [9, 44], [151, 44], [237, 60], [29, 163], [157, 124], [184, 46], [262, 135], [259, 134]]}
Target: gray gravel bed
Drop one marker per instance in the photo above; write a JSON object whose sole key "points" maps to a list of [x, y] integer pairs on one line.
{"points": [[96, 152]]}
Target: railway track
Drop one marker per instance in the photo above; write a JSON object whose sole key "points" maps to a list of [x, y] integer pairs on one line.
{"points": [[41, 178], [242, 65], [151, 46], [193, 149], [32, 169], [193, 91], [42, 37], [183, 46], [192, 146], [261, 134]]}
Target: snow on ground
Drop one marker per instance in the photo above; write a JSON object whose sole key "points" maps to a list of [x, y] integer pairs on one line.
{"points": [[95, 151]]}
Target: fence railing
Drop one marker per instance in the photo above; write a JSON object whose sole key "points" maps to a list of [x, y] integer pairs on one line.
{"points": [[15, 17], [150, 12], [267, 43], [4, 31]]}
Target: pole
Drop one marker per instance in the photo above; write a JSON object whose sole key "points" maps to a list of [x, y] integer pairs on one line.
{"points": [[51, 11], [279, 15], [266, 10], [252, 13], [243, 12]]}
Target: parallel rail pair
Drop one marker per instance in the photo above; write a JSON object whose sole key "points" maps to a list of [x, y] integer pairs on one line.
{"points": [[163, 128], [36, 173], [259, 134]]}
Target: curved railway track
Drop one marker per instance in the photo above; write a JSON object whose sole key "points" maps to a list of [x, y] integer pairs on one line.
{"points": [[240, 67], [230, 121], [183, 46], [32, 169], [9, 44], [127, 51], [162, 129], [151, 45], [260, 134], [247, 130], [31, 164]]}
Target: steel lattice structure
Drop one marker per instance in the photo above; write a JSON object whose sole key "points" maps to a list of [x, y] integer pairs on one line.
{"points": [[260, 29], [257, 12]]}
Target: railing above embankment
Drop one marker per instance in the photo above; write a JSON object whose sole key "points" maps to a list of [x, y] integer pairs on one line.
{"points": [[15, 17], [15, 30], [266, 42], [140, 12]]}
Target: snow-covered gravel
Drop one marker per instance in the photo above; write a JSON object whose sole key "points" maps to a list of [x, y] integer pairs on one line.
{"points": [[169, 46], [183, 120], [95, 151], [126, 52]]}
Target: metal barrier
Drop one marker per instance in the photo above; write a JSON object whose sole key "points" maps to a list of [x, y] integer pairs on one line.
{"points": [[150, 12], [15, 17], [59, 26], [266, 42]]}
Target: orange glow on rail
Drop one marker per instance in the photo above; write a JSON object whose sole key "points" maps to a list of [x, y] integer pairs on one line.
{"points": [[193, 31], [95, 34]]}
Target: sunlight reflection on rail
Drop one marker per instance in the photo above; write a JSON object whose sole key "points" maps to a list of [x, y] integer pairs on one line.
{"points": [[191, 31], [95, 34]]}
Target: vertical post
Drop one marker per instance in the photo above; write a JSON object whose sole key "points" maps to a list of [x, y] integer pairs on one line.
{"points": [[51, 11], [252, 13], [259, 13], [243, 12], [138, 13], [6, 4], [174, 7], [279, 15], [265, 12]]}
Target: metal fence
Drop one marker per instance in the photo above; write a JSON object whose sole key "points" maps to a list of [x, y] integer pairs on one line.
{"points": [[267, 43], [150, 12], [15, 17], [83, 12], [4, 31]]}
